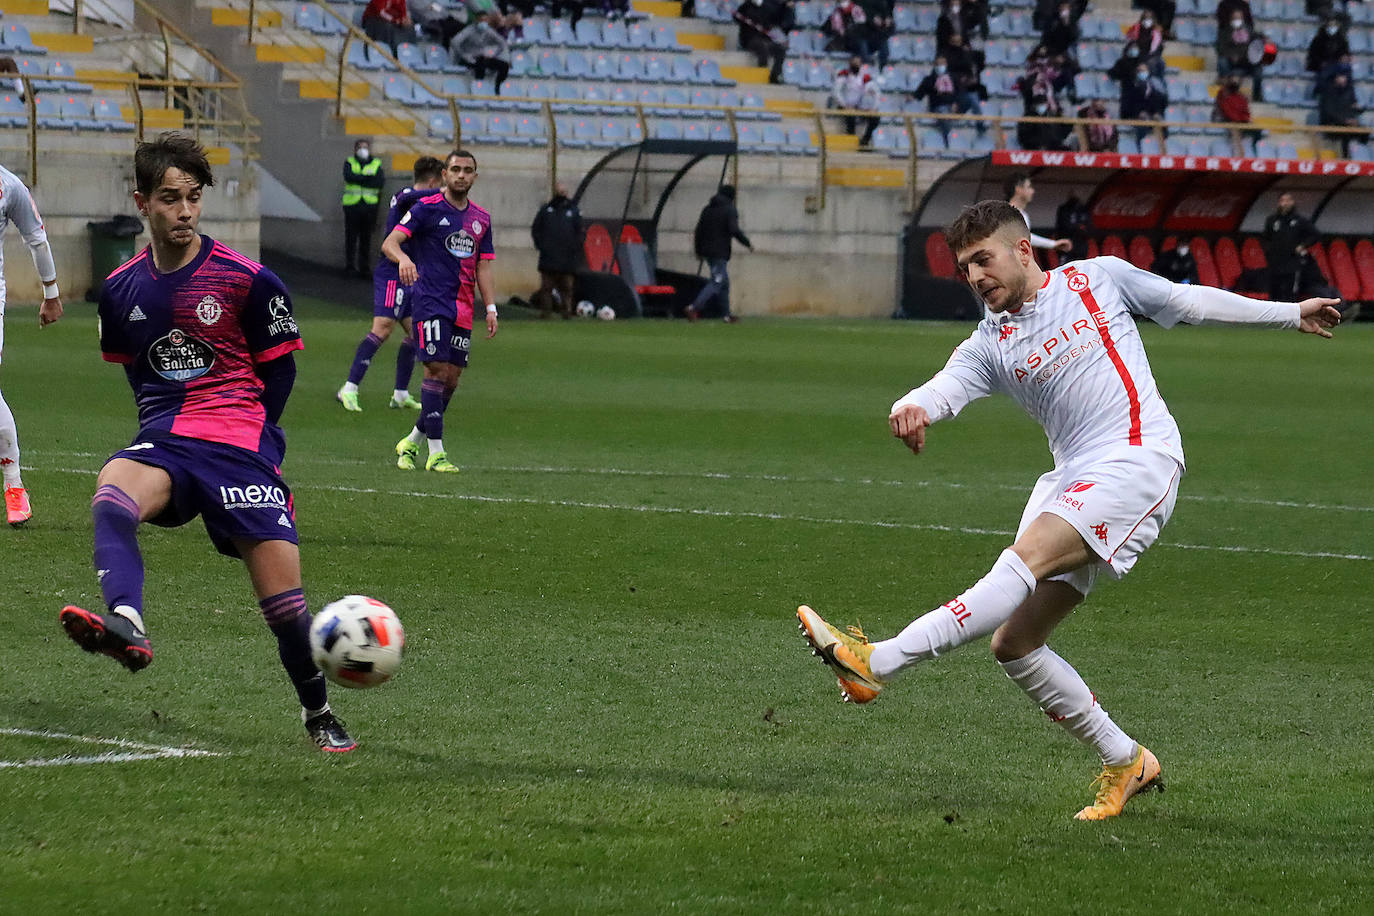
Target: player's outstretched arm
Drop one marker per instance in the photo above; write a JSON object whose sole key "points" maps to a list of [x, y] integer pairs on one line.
{"points": [[1318, 316], [908, 423]]}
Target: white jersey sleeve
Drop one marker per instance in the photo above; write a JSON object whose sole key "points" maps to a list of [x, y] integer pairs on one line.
{"points": [[19, 208], [1167, 303], [967, 376]]}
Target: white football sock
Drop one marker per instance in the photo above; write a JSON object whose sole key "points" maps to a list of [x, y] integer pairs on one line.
{"points": [[977, 612], [132, 615], [1063, 696], [399, 394], [436, 446], [415, 437], [350, 387], [9, 446]]}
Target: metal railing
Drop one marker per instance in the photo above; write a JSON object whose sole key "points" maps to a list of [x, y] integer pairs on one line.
{"points": [[337, 72]]}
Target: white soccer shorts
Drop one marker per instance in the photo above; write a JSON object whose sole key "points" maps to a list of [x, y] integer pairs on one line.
{"points": [[1118, 500]]}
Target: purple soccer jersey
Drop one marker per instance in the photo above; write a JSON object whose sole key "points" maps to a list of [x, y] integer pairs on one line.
{"points": [[401, 202], [189, 341], [446, 243]]}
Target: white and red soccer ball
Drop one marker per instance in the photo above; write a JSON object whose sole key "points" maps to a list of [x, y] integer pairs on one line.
{"points": [[357, 641]]}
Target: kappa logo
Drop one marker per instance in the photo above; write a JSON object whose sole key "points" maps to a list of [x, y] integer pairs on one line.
{"points": [[1078, 283], [209, 311], [1080, 486], [1101, 532], [137, 315], [1006, 332], [444, 221]]}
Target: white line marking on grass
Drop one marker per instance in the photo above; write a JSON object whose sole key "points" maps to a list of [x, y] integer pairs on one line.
{"points": [[1024, 488], [769, 516], [135, 751]]}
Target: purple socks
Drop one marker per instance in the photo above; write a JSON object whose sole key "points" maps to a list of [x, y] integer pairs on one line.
{"points": [[287, 617], [118, 562], [432, 407], [363, 358], [405, 364]]}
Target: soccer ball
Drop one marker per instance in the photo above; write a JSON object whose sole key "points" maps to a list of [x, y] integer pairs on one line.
{"points": [[357, 641], [606, 313], [585, 309]]}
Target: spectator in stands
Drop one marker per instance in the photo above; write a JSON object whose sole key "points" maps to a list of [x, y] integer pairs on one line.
{"points": [[1337, 107], [9, 75], [1231, 106], [951, 21], [1074, 221], [1144, 98], [1176, 264], [763, 27], [1046, 11], [1227, 11], [946, 92], [1328, 46], [856, 89], [1287, 235], [1061, 35], [363, 180], [1100, 135], [1019, 191], [574, 8], [1163, 10], [435, 20], [880, 27], [1146, 35], [1046, 76], [1042, 136], [1123, 71], [1233, 44], [716, 227], [964, 62], [557, 235], [845, 27], [388, 22], [483, 49]]}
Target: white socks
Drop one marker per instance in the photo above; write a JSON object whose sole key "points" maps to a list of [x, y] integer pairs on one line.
{"points": [[415, 437], [9, 446], [977, 612], [349, 388], [131, 615], [436, 446], [399, 394], [1059, 690]]}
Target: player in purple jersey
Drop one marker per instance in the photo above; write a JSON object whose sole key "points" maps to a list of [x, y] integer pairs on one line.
{"points": [[206, 338], [391, 300], [450, 239]]}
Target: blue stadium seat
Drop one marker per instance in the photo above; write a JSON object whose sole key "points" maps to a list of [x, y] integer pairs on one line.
{"points": [[108, 113], [436, 57], [560, 34], [423, 97], [521, 63], [604, 66], [440, 126], [904, 17], [592, 97], [615, 34], [550, 63], [310, 17], [670, 130], [708, 71], [13, 113], [397, 88], [694, 130], [1149, 146], [901, 50], [682, 70], [817, 76], [410, 55], [631, 67], [587, 34], [15, 38], [751, 99], [575, 65], [48, 110], [1126, 145], [662, 38], [799, 138], [534, 33], [530, 128], [729, 98], [638, 36], [656, 70], [501, 129], [567, 96], [750, 139]]}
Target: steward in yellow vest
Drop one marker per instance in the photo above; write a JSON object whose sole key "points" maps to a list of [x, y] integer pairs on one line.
{"points": [[362, 193]]}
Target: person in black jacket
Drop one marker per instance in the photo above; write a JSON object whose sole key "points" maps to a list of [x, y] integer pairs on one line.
{"points": [[557, 234], [717, 225], [1176, 264], [1287, 236]]}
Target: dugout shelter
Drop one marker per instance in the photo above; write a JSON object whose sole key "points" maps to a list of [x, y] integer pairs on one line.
{"points": [[1142, 205], [623, 198]]}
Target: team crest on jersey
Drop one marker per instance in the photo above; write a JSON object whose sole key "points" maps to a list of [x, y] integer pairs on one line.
{"points": [[1078, 283], [460, 244], [209, 311], [179, 357], [476, 229]]}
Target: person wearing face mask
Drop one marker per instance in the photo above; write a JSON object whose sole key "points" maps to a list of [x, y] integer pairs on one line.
{"points": [[1228, 10], [845, 27], [1328, 46], [763, 28], [1176, 264], [362, 193], [1061, 35], [856, 89], [1337, 106], [1123, 71], [1163, 11], [1143, 98], [1100, 135], [1233, 43], [1146, 35], [946, 92]]}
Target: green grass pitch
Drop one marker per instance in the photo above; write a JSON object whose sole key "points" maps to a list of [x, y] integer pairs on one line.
{"points": [[606, 707]]}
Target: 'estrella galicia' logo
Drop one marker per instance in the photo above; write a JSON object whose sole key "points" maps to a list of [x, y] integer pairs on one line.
{"points": [[179, 357], [460, 244]]}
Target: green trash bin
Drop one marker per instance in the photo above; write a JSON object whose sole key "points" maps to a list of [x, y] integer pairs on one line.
{"points": [[112, 243]]}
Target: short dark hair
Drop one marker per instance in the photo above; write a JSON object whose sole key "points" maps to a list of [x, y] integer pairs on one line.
{"points": [[427, 167], [460, 154], [983, 220], [1013, 181], [153, 158]]}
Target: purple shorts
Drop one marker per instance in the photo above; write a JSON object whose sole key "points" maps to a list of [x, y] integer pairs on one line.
{"points": [[389, 298], [440, 340], [237, 493]]}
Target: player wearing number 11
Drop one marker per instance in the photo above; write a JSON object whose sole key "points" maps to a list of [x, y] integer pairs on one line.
{"points": [[450, 237]]}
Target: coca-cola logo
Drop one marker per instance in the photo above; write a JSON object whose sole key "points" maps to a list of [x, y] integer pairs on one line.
{"points": [[1218, 206], [1129, 203]]}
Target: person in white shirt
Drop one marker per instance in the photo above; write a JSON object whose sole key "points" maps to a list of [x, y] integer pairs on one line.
{"points": [[16, 205], [1020, 191], [855, 89], [1064, 345]]}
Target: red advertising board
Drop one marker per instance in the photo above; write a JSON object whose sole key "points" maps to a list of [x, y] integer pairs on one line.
{"points": [[1234, 165]]}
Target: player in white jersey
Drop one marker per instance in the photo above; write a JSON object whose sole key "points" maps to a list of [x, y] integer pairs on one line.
{"points": [[1064, 345], [16, 205], [1020, 191]]}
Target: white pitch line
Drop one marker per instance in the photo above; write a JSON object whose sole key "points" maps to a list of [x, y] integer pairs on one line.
{"points": [[136, 750], [787, 478], [767, 516]]}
